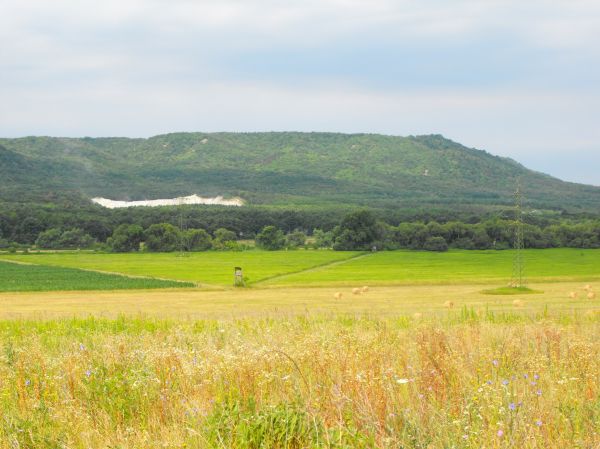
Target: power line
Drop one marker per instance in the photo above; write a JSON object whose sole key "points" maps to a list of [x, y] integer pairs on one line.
{"points": [[518, 276]]}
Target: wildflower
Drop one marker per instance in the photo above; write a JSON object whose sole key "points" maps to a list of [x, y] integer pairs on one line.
{"points": [[500, 433], [27, 382], [465, 437], [539, 392], [81, 347], [489, 382], [536, 377], [538, 423], [402, 381], [525, 376], [88, 373], [495, 362], [505, 382], [533, 383], [512, 406]]}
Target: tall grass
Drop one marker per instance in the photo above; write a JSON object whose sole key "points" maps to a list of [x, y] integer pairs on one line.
{"points": [[467, 380]]}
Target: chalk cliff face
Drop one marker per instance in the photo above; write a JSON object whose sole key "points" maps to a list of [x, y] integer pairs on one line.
{"points": [[292, 169], [180, 201]]}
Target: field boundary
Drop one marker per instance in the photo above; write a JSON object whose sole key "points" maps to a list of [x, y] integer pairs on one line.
{"points": [[313, 268], [189, 284]]}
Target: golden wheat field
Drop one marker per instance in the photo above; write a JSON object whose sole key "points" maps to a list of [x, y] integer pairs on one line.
{"points": [[388, 367]]}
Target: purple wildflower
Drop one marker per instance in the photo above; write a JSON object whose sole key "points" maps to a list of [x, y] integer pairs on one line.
{"points": [[500, 433], [536, 376], [512, 406], [495, 362], [88, 373], [489, 382], [505, 382], [539, 392], [538, 423], [27, 382]]}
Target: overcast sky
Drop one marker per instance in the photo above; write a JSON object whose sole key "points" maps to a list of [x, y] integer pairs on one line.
{"points": [[518, 78]]}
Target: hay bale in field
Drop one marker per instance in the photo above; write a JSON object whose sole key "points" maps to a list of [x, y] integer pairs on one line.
{"points": [[573, 295], [338, 295], [356, 291], [591, 295], [365, 289], [587, 287], [518, 303], [449, 304]]}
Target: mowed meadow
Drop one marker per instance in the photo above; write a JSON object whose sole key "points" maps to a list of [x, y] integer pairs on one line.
{"points": [[421, 358], [329, 268]]}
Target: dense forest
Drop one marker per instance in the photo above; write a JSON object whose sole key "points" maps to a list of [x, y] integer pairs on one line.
{"points": [[278, 169], [198, 228]]}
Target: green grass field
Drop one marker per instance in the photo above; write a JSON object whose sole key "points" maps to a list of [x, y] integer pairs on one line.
{"points": [[415, 267], [330, 268], [212, 268], [28, 278]]}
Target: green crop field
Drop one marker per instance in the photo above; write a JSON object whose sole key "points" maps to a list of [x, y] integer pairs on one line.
{"points": [[213, 268], [419, 267], [330, 268], [27, 278]]}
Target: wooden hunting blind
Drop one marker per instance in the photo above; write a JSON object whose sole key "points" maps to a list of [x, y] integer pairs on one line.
{"points": [[238, 277]]}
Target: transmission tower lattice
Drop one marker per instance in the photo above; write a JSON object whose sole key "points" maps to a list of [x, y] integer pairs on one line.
{"points": [[518, 276]]}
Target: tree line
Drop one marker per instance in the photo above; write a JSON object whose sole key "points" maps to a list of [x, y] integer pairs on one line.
{"points": [[359, 230]]}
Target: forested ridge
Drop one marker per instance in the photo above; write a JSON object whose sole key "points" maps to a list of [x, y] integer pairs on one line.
{"points": [[281, 169]]}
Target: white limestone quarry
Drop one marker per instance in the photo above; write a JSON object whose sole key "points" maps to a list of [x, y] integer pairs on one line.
{"points": [[184, 200]]}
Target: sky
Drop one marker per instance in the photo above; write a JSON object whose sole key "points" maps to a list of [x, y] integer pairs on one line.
{"points": [[516, 78]]}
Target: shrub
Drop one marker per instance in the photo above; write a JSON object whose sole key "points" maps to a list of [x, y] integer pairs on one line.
{"points": [[295, 239], [197, 240], [435, 244], [126, 238], [270, 238], [163, 237]]}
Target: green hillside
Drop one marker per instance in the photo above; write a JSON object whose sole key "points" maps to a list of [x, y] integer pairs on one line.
{"points": [[277, 169]]}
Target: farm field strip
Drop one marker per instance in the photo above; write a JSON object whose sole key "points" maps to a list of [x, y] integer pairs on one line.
{"points": [[27, 277], [453, 267], [211, 268], [428, 300]]}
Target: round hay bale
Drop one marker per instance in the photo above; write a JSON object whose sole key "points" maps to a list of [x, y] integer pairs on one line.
{"points": [[591, 295]]}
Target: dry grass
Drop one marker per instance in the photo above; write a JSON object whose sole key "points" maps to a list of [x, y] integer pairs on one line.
{"points": [[463, 380], [253, 302]]}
